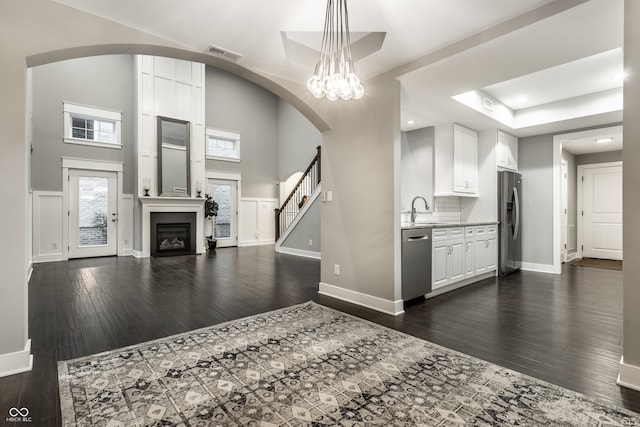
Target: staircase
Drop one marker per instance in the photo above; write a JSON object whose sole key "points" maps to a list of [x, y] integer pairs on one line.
{"points": [[299, 196]]}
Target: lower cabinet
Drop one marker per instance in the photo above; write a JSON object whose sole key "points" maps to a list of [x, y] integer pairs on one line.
{"points": [[486, 248], [460, 253], [469, 252], [448, 256]]}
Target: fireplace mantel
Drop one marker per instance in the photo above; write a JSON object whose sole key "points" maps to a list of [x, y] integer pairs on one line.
{"points": [[171, 204]]}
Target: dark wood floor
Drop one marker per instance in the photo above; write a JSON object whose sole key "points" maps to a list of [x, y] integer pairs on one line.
{"points": [[565, 329]]}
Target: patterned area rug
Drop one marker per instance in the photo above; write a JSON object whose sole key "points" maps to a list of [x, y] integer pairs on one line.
{"points": [[610, 264], [311, 365]]}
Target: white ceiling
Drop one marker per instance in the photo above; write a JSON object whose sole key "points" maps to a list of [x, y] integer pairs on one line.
{"points": [[596, 73], [436, 48], [584, 142]]}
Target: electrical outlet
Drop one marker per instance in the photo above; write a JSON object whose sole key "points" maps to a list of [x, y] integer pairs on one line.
{"points": [[54, 246], [310, 242], [336, 269], [126, 241], [329, 196]]}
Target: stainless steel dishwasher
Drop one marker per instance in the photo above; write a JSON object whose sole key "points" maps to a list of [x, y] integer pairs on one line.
{"points": [[416, 262]]}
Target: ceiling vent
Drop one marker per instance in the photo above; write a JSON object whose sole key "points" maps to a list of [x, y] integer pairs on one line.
{"points": [[222, 52], [488, 104]]}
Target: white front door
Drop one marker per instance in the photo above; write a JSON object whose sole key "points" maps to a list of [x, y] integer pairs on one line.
{"points": [[93, 215], [224, 192], [602, 212]]}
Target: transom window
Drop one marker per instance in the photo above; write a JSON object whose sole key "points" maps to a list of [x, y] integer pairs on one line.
{"points": [[92, 126], [223, 145]]}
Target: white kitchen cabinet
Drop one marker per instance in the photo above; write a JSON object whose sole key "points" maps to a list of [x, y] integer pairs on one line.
{"points": [[462, 253], [455, 161], [448, 261], [491, 254], [440, 264], [486, 245], [469, 252], [506, 151]]}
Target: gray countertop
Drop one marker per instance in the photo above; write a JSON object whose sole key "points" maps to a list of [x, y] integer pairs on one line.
{"points": [[408, 226]]}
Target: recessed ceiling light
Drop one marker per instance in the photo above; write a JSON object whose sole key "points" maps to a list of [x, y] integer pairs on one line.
{"points": [[604, 140], [410, 122]]}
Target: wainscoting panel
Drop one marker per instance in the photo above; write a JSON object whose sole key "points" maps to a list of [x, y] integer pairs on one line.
{"points": [[256, 221], [47, 226], [172, 88]]}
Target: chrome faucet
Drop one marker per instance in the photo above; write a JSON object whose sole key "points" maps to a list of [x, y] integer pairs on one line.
{"points": [[413, 208]]}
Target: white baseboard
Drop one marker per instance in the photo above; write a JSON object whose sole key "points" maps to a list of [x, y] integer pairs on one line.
{"points": [[137, 254], [629, 375], [16, 362], [393, 308], [29, 271], [298, 252], [571, 256], [126, 252], [540, 268], [256, 242], [49, 258]]}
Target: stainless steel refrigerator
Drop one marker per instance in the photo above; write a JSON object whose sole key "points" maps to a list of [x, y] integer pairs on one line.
{"points": [[510, 217]]}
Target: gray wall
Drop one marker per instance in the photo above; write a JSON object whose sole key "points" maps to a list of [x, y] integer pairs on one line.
{"points": [[359, 226], [97, 81], [297, 141], [416, 170], [535, 157], [607, 156], [47, 27], [307, 229], [631, 183], [236, 105]]}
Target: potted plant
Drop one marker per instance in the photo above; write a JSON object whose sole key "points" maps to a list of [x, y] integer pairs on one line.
{"points": [[210, 211]]}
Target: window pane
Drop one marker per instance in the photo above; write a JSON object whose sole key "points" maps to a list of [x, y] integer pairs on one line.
{"points": [[221, 147], [77, 122], [93, 129], [93, 210], [222, 195], [106, 131]]}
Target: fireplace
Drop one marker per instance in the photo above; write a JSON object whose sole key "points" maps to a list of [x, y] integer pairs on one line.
{"points": [[173, 233]]}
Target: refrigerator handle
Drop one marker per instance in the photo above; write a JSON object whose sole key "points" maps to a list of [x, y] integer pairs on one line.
{"points": [[517, 200]]}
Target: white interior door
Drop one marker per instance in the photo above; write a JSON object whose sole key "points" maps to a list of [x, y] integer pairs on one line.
{"points": [[93, 213], [602, 212], [224, 192]]}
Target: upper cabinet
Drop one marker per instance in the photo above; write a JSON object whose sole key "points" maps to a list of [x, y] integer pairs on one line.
{"points": [[455, 161], [506, 151]]}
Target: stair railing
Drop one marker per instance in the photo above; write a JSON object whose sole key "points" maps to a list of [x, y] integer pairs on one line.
{"points": [[306, 185]]}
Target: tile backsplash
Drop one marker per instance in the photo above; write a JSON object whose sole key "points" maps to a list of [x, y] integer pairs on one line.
{"points": [[446, 209]]}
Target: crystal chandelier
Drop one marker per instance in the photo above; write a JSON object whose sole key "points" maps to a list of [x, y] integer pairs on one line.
{"points": [[335, 76]]}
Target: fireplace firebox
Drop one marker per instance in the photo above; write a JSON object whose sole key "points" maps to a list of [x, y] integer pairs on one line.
{"points": [[173, 233]]}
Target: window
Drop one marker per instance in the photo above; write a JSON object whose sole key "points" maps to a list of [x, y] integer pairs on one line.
{"points": [[91, 126], [223, 145]]}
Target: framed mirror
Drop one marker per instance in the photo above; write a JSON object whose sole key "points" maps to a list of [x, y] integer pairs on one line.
{"points": [[173, 158]]}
